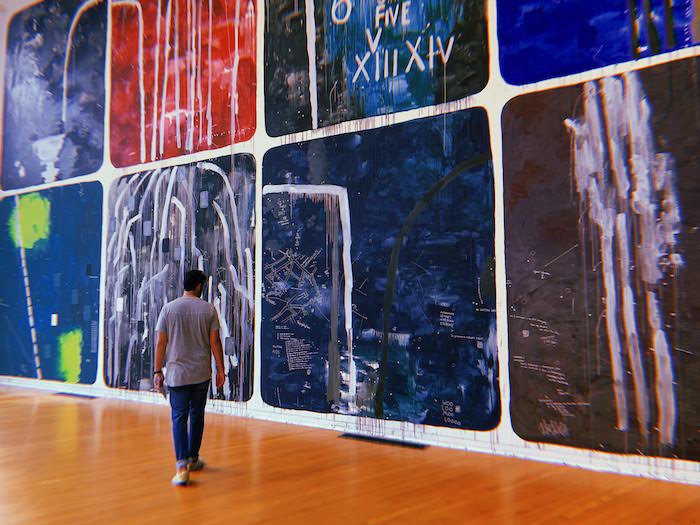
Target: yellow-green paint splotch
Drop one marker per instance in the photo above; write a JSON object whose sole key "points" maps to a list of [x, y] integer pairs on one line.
{"points": [[69, 346], [34, 212]]}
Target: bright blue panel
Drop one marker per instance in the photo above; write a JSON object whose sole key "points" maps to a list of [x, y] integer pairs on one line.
{"points": [[546, 39], [61, 275]]}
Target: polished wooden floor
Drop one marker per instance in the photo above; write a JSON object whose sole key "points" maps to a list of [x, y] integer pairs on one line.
{"points": [[67, 460]]}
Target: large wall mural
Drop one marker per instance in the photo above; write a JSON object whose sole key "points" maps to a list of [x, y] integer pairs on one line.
{"points": [[175, 65], [540, 40], [601, 251], [378, 285], [49, 283], [53, 123], [329, 61], [378, 245], [162, 223]]}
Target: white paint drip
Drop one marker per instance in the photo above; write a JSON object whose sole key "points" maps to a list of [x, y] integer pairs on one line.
{"points": [[209, 116], [166, 52], [183, 229], [311, 51], [659, 226], [634, 352], [156, 67], [194, 56], [592, 186], [199, 69], [234, 74], [190, 79], [178, 135], [640, 197]]}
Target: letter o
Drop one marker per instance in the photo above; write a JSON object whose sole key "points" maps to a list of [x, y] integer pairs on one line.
{"points": [[342, 20]]}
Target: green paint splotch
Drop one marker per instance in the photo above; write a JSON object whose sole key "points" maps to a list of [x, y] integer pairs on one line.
{"points": [[34, 212], [69, 346]]}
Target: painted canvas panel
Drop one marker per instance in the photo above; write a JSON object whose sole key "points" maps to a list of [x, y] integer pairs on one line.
{"points": [[378, 286], [49, 283], [329, 61], [176, 65], [602, 252], [53, 125], [540, 40], [163, 223]]}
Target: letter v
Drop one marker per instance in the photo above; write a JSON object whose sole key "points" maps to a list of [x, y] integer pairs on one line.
{"points": [[373, 43]]}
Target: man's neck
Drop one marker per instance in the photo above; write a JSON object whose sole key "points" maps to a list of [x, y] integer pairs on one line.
{"points": [[191, 295]]}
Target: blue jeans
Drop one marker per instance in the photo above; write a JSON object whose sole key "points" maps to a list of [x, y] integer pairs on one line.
{"points": [[188, 401]]}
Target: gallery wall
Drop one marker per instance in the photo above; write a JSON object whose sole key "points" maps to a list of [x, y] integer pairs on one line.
{"points": [[462, 223]]}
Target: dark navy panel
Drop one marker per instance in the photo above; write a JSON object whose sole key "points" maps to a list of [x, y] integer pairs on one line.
{"points": [[442, 359]]}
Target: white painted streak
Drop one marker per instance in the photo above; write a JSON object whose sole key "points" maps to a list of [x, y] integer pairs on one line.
{"points": [[124, 236], [176, 54], [616, 126], [237, 231], [224, 225], [234, 75], [199, 70], [644, 193], [665, 395], [209, 117], [604, 217], [630, 323], [651, 173], [189, 136], [156, 66], [183, 228], [237, 284], [166, 209], [164, 96], [616, 122], [311, 51], [222, 317], [610, 287], [249, 271], [592, 186]]}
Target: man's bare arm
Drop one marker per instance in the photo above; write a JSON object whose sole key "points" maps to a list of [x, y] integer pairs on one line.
{"points": [[216, 349], [218, 352], [161, 345]]}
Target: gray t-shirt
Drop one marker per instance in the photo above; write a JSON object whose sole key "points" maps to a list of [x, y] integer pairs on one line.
{"points": [[187, 321]]}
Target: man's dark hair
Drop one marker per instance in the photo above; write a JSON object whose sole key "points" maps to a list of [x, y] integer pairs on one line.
{"points": [[193, 278]]}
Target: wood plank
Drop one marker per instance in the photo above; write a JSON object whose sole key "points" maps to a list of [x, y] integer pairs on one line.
{"points": [[71, 460]]}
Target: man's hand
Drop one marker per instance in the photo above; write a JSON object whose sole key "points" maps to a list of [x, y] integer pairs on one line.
{"points": [[220, 378], [158, 381]]}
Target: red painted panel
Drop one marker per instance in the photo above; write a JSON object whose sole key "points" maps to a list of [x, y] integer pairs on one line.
{"points": [[178, 83]]}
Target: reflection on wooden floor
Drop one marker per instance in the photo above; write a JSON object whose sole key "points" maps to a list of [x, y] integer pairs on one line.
{"points": [[72, 460]]}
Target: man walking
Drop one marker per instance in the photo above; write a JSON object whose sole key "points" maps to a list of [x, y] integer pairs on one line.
{"points": [[188, 334]]}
